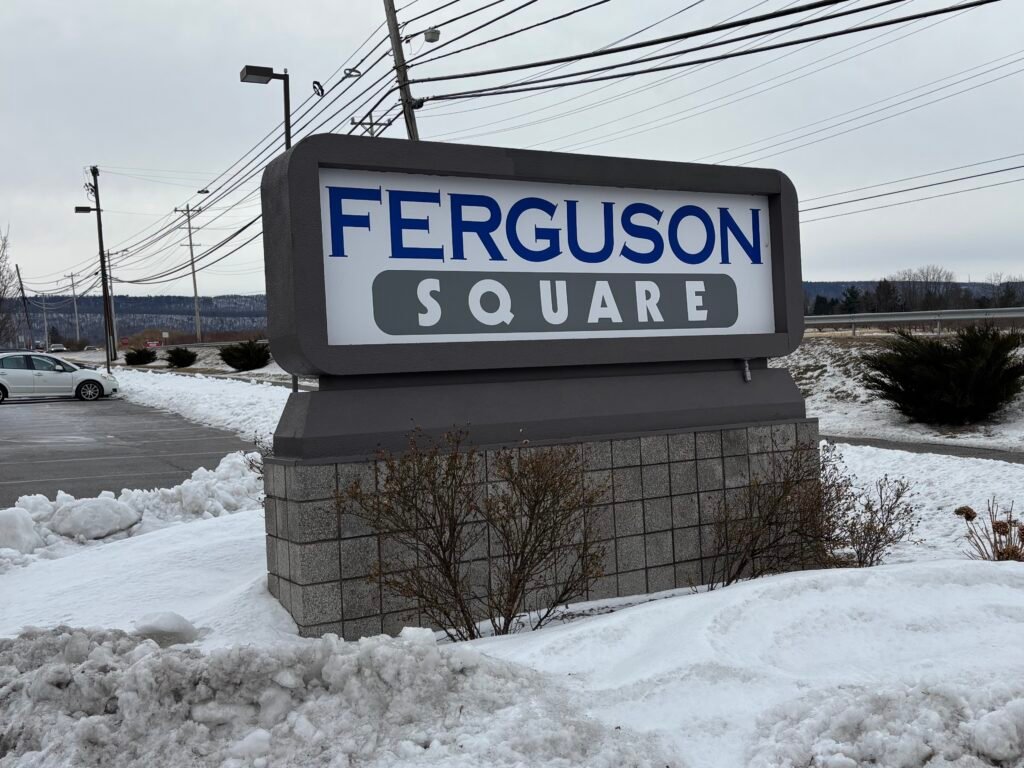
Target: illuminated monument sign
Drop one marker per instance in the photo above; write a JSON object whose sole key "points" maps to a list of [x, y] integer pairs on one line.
{"points": [[535, 296]]}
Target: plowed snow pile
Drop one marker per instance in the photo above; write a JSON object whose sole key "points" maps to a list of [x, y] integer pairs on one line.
{"points": [[71, 697], [248, 408], [38, 527]]}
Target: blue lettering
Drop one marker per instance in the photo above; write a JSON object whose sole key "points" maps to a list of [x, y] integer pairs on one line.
{"points": [[400, 223], [590, 257], [339, 220], [650, 234], [709, 234], [542, 234], [751, 247], [482, 229]]}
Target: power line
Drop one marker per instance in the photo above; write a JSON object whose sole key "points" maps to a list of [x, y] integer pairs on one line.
{"points": [[915, 200], [171, 226], [912, 178], [726, 100], [721, 57], [884, 117], [477, 28], [913, 189], [514, 32], [435, 10], [636, 91], [720, 42], [633, 46], [431, 111]]}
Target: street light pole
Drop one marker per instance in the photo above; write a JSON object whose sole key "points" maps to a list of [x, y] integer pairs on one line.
{"points": [[192, 262], [107, 327], [401, 71], [262, 76]]}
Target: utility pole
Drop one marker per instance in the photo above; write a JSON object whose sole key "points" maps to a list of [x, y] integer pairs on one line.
{"points": [[74, 299], [401, 71], [94, 188], [371, 126], [192, 261], [113, 311], [24, 304], [46, 328]]}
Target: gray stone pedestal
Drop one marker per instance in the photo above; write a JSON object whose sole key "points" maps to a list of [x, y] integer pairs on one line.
{"points": [[663, 491]]}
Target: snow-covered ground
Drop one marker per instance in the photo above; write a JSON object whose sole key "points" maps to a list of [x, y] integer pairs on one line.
{"points": [[917, 663], [880, 666], [828, 372], [893, 665]]}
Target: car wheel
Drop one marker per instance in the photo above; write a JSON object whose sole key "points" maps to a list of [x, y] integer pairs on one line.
{"points": [[89, 390], [3, 394]]}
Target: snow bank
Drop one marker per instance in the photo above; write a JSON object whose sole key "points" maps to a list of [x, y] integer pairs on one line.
{"points": [[90, 518], [18, 531], [211, 572], [107, 698], [906, 726], [166, 628], [247, 408], [66, 521], [829, 374]]}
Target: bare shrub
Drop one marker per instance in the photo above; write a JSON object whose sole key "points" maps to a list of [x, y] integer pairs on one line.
{"points": [[543, 544], [254, 459], [1000, 539], [805, 512], [881, 519], [429, 506]]}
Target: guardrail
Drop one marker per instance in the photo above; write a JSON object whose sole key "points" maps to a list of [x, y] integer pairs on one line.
{"points": [[896, 318]]}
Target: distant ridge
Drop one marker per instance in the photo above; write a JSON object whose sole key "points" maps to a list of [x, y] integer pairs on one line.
{"points": [[242, 314]]}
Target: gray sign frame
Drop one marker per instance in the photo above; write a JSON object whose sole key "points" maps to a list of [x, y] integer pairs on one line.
{"points": [[293, 252]]}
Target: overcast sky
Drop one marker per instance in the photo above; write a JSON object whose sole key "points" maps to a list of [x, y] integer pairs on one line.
{"points": [[150, 89]]}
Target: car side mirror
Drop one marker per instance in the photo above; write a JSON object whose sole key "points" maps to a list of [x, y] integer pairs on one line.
{"points": [[60, 368]]}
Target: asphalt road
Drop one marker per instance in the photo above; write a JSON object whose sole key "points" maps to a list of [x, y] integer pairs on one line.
{"points": [[85, 448], [944, 449]]}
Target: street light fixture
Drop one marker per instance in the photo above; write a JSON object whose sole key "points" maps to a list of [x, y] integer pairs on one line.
{"points": [[262, 76]]}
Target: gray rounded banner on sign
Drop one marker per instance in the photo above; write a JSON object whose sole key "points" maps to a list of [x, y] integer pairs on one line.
{"points": [[427, 302]]}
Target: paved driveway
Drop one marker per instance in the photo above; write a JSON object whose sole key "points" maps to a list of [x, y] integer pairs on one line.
{"points": [[85, 448]]}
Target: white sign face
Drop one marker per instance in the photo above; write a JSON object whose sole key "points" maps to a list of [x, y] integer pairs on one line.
{"points": [[420, 258]]}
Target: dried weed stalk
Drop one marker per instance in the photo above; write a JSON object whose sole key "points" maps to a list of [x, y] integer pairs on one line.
{"points": [[1001, 539]]}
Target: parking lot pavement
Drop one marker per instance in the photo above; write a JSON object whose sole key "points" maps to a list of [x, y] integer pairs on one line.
{"points": [[85, 448]]}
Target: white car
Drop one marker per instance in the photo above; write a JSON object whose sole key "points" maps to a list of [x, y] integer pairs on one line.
{"points": [[31, 374]]}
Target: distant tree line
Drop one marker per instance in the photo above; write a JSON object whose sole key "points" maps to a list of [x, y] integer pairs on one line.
{"points": [[925, 288]]}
